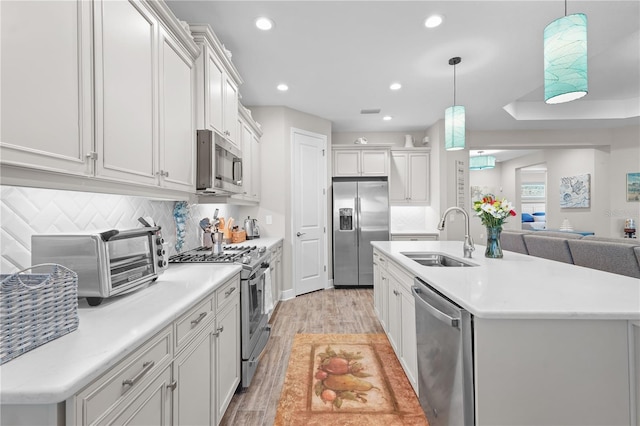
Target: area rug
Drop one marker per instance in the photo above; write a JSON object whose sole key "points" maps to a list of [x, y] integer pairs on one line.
{"points": [[346, 380]]}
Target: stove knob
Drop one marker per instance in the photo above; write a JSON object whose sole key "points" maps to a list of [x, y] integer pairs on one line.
{"points": [[262, 249], [246, 259]]}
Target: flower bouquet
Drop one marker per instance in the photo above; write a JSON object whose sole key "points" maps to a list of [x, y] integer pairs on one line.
{"points": [[493, 213]]}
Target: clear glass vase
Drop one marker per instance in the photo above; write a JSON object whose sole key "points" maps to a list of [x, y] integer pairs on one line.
{"points": [[494, 250]]}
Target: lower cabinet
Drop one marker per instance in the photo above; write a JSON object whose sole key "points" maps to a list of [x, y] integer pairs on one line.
{"points": [[185, 375], [395, 307], [275, 266]]}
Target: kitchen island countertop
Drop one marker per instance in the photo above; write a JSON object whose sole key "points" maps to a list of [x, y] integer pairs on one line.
{"points": [[106, 334], [519, 286]]}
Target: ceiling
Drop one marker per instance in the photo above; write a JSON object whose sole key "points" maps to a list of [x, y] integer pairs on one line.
{"points": [[339, 57]]}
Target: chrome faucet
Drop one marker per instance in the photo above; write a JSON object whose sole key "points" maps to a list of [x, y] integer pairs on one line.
{"points": [[468, 246]]}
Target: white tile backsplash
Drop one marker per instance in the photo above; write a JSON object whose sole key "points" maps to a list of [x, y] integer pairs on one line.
{"points": [[413, 219], [28, 211]]}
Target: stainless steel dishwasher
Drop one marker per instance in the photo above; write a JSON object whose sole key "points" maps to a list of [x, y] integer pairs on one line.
{"points": [[445, 358]]}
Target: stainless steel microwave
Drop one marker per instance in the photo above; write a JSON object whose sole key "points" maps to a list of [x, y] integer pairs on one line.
{"points": [[219, 165], [108, 263]]}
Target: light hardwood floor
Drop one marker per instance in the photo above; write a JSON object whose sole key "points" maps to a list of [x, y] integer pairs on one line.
{"points": [[323, 311]]}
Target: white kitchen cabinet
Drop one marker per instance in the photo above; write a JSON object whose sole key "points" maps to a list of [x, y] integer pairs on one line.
{"points": [[227, 355], [398, 315], [193, 371], [177, 115], [152, 406], [119, 390], [275, 266], [216, 87], [381, 288], [409, 179], [47, 86], [120, 91], [186, 374], [348, 161], [126, 79], [250, 136]]}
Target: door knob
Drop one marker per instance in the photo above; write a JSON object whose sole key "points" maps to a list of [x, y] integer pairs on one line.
{"points": [[300, 233]]}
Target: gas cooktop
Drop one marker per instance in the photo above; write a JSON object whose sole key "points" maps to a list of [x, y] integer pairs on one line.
{"points": [[249, 257]]}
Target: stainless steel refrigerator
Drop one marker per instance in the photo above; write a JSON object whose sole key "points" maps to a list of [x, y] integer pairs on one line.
{"points": [[360, 215]]}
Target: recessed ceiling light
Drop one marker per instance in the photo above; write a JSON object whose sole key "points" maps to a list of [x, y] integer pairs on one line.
{"points": [[395, 86], [283, 87], [387, 117], [265, 24], [433, 21]]}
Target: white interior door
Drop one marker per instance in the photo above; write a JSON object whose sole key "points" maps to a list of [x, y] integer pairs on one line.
{"points": [[309, 206]]}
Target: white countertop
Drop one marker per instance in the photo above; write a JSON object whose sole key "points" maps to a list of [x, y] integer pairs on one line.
{"points": [[519, 286], [107, 333]]}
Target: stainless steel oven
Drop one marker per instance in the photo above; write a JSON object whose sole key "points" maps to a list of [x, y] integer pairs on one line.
{"points": [[255, 330]]}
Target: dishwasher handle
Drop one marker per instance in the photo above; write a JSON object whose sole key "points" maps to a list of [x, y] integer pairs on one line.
{"points": [[447, 319]]}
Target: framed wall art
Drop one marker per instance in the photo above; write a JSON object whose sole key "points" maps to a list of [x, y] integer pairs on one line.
{"points": [[532, 190], [633, 186], [575, 191]]}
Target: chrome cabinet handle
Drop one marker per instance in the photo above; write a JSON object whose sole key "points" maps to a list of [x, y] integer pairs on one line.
{"points": [[147, 366], [173, 385], [197, 320], [299, 234], [228, 292], [218, 331]]}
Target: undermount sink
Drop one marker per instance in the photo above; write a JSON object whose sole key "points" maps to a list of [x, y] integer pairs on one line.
{"points": [[436, 259]]}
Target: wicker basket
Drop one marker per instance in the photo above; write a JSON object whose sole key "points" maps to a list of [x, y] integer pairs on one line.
{"points": [[36, 308]]}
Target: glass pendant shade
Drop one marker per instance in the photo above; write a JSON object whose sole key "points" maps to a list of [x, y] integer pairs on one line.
{"points": [[454, 128], [482, 162], [565, 59]]}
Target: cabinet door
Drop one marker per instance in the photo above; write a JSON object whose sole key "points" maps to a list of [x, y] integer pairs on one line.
{"points": [[228, 356], [177, 133], [377, 284], [394, 323], [346, 163], [409, 346], [255, 168], [214, 99], [230, 111], [46, 96], [193, 371], [150, 407], [375, 163], [398, 179], [247, 160], [418, 178], [126, 91]]}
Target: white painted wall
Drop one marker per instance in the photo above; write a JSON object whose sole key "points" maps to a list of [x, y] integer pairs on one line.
{"points": [[276, 124]]}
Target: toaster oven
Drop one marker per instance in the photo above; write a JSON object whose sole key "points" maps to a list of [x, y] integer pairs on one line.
{"points": [[108, 263]]}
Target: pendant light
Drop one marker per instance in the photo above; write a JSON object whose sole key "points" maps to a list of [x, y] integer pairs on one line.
{"points": [[565, 58], [482, 162], [454, 126]]}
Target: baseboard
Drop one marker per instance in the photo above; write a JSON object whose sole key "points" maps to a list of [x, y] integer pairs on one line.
{"points": [[329, 284], [288, 294]]}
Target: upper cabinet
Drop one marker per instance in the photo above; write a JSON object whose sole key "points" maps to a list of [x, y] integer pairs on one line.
{"points": [[47, 87], [116, 103], [216, 87], [251, 134], [365, 161], [409, 179]]}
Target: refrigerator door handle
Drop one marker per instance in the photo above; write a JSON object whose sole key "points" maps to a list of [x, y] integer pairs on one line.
{"points": [[358, 230]]}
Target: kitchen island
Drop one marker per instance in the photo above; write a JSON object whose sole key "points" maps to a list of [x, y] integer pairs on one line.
{"points": [[553, 343]]}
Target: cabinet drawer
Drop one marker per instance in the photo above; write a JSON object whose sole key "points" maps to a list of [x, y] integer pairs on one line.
{"points": [[226, 292], [189, 324], [124, 379], [380, 259]]}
